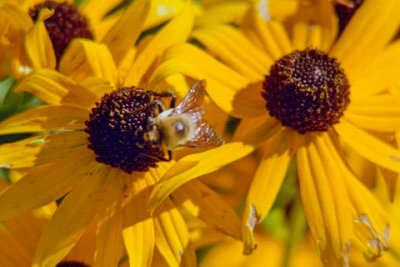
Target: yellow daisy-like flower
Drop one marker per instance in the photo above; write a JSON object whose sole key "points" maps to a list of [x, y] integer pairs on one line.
{"points": [[36, 33], [319, 92], [79, 156]]}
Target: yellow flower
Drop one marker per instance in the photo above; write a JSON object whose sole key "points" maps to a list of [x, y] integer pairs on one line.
{"points": [[339, 208], [33, 38], [63, 163]]}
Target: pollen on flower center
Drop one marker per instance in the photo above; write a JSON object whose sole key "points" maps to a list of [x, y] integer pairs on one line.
{"points": [[307, 91], [116, 129], [65, 24]]}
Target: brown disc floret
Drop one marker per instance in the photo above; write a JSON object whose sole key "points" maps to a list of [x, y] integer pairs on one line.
{"points": [[117, 127], [65, 24], [306, 90]]}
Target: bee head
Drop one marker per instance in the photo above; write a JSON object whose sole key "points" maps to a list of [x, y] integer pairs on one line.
{"points": [[153, 134]]}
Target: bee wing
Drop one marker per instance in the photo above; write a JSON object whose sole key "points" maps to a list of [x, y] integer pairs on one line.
{"points": [[192, 99], [205, 137]]}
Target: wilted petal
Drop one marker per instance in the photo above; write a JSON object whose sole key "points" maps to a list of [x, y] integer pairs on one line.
{"points": [[266, 183], [325, 199]]}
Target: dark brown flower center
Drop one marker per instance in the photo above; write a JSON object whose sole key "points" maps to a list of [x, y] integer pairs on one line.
{"points": [[116, 130], [72, 264], [306, 90], [65, 24]]}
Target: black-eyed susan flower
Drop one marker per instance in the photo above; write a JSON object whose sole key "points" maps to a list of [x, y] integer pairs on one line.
{"points": [[305, 96], [36, 33], [90, 150]]}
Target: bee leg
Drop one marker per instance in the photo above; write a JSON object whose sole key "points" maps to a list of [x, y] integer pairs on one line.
{"points": [[152, 104], [165, 94], [173, 101], [153, 157], [169, 155]]}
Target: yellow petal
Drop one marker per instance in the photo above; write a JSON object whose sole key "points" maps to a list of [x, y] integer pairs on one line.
{"points": [[16, 16], [256, 130], [46, 118], [224, 12], [19, 239], [37, 150], [69, 222], [56, 89], [102, 27], [84, 58], [370, 29], [127, 29], [38, 44], [266, 183], [377, 74], [84, 249], [376, 113], [172, 237], [109, 243], [176, 31], [248, 102], [196, 165], [368, 146], [325, 199], [161, 11], [268, 36], [233, 48], [270, 252], [94, 12], [315, 23], [139, 237], [278, 10], [12, 253], [45, 184], [370, 223], [314, 38], [213, 69], [222, 82], [97, 86], [204, 203]]}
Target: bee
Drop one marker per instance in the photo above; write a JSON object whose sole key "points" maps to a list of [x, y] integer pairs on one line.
{"points": [[183, 125]]}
